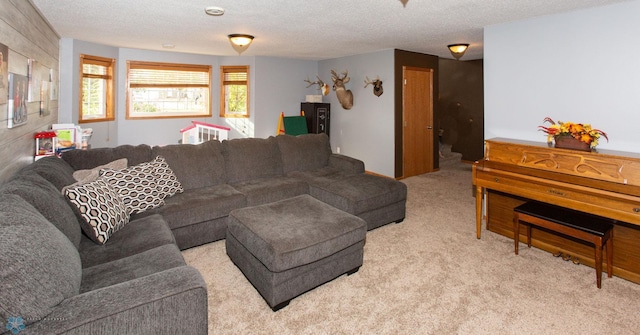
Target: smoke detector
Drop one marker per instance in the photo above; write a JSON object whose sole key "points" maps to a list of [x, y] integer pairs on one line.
{"points": [[214, 11]]}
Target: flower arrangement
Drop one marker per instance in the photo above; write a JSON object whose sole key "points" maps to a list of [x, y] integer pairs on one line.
{"points": [[581, 132]]}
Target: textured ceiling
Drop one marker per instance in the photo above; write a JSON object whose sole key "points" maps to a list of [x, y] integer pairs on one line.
{"points": [[313, 30]]}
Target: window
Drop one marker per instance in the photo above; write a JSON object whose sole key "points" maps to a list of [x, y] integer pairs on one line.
{"points": [[163, 90], [234, 91], [96, 89]]}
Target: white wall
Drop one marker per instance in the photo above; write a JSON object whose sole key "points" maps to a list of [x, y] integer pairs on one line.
{"points": [[580, 66], [366, 130]]}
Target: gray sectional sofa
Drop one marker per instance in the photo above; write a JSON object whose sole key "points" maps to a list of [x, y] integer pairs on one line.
{"points": [[56, 280]]}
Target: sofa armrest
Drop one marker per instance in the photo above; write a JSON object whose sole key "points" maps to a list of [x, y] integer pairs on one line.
{"points": [[347, 164], [168, 302]]}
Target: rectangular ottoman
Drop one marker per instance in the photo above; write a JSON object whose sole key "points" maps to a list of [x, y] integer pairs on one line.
{"points": [[291, 246]]}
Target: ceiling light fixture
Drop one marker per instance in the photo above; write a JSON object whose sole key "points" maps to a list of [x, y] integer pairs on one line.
{"points": [[214, 11], [240, 42], [458, 50]]}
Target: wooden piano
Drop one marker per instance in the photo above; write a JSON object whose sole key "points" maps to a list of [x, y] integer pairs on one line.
{"points": [[605, 183]]}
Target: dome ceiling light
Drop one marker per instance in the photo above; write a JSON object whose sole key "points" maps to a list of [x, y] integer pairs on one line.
{"points": [[458, 50], [240, 42]]}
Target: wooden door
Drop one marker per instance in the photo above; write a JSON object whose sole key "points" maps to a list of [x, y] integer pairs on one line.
{"points": [[417, 115]]}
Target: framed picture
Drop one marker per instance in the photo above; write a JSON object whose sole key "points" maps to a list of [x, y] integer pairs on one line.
{"points": [[53, 87], [37, 74], [45, 98], [17, 100], [4, 74]]}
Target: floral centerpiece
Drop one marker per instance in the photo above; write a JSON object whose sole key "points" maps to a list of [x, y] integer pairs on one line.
{"points": [[583, 133]]}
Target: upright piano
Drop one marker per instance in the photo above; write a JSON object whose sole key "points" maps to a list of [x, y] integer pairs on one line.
{"points": [[603, 182]]}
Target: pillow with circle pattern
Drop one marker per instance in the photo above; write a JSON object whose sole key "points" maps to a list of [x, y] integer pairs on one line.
{"points": [[136, 185], [101, 208]]}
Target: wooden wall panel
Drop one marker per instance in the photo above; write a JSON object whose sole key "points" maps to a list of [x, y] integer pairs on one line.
{"points": [[28, 36]]}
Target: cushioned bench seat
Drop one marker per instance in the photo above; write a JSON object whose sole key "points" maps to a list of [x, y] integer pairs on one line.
{"points": [[587, 227]]}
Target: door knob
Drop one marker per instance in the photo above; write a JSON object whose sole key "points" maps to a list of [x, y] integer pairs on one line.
{"points": [[429, 127]]}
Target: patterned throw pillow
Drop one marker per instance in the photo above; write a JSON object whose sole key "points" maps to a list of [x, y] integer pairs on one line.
{"points": [[89, 175], [136, 185], [168, 183], [85, 176], [101, 207]]}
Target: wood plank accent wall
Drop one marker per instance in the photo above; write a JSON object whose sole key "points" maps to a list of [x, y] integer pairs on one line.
{"points": [[28, 36]]}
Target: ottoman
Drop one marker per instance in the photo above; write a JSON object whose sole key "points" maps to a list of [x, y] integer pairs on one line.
{"points": [[288, 247]]}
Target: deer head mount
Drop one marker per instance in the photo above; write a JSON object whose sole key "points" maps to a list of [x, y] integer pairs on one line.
{"points": [[377, 85], [345, 97], [324, 88]]}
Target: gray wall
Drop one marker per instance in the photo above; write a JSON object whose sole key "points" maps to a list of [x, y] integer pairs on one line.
{"points": [[105, 134], [580, 66], [27, 36], [157, 131], [366, 131], [277, 85]]}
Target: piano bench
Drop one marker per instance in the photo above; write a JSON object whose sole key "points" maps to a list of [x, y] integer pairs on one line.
{"points": [[583, 226]]}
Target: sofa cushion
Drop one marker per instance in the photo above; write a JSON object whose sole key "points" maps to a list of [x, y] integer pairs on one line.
{"points": [[195, 166], [42, 195], [167, 182], [264, 190], [325, 174], [201, 205], [55, 170], [356, 194], [88, 159], [101, 208], [141, 234], [304, 152], [251, 158], [39, 267], [128, 268], [136, 186]]}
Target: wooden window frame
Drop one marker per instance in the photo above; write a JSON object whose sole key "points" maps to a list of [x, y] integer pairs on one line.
{"points": [[230, 69], [109, 63], [170, 67]]}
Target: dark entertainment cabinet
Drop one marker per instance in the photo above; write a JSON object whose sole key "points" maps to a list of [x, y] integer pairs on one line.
{"points": [[318, 116]]}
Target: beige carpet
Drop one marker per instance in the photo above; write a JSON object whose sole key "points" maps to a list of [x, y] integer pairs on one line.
{"points": [[430, 275]]}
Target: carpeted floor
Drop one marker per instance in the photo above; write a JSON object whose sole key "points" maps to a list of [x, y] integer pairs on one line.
{"points": [[430, 275]]}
